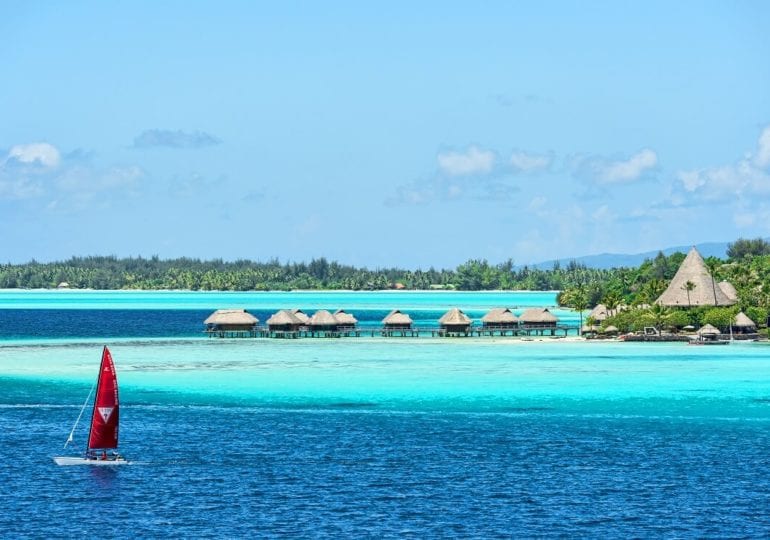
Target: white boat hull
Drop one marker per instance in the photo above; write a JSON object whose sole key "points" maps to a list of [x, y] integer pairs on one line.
{"points": [[71, 460]]}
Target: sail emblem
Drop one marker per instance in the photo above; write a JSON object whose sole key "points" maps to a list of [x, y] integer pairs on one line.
{"points": [[105, 412]]}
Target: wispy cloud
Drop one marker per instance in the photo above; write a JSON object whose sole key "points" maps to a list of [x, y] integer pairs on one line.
{"points": [[746, 178], [34, 154], [473, 160], [618, 171], [167, 138], [762, 156], [38, 171], [525, 162]]}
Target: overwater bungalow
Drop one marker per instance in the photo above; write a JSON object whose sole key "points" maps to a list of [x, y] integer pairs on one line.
{"points": [[323, 321], [301, 315], [397, 323], [231, 323], [396, 320], [454, 322], [345, 321], [283, 321], [538, 320], [499, 320]]}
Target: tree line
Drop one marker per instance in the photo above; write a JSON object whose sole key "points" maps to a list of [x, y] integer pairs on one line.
{"points": [[110, 273]]}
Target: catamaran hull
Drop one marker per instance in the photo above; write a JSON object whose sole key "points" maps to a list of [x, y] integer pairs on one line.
{"points": [[94, 462]]}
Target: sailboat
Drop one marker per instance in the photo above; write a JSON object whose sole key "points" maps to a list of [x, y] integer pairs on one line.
{"points": [[103, 433]]}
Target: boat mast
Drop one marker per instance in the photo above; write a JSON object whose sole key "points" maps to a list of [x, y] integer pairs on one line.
{"points": [[93, 411]]}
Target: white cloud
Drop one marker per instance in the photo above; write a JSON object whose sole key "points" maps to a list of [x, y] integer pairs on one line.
{"points": [[762, 158], [618, 172], [601, 170], [42, 154], [529, 163], [472, 161], [742, 179]]}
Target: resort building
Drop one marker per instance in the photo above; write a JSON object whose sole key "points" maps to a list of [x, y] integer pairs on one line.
{"points": [[743, 325], [538, 320], [345, 320], [598, 314], [323, 321], [301, 315], [454, 322], [283, 321], [396, 320], [231, 323], [500, 319], [693, 285]]}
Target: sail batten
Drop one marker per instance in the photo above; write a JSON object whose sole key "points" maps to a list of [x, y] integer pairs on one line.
{"points": [[104, 418]]}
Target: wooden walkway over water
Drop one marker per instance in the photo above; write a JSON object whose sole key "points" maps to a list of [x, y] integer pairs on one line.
{"points": [[387, 332]]}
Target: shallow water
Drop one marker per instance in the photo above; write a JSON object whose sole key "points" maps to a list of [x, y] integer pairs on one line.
{"points": [[388, 437]]}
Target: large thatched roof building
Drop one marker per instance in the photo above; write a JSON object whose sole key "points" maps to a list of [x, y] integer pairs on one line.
{"points": [[703, 291], [231, 320]]}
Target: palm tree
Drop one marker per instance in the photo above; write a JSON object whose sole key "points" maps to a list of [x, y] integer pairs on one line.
{"points": [[688, 286], [712, 265], [611, 301], [659, 315]]}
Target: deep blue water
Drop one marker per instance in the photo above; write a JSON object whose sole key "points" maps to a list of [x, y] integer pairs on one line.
{"points": [[216, 471], [377, 438]]}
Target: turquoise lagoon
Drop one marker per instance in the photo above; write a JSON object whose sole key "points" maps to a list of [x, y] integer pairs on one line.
{"points": [[385, 437]]}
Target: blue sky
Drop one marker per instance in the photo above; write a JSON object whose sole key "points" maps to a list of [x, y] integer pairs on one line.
{"points": [[409, 134]]}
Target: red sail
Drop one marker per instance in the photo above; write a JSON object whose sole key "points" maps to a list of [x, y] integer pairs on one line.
{"points": [[104, 419]]}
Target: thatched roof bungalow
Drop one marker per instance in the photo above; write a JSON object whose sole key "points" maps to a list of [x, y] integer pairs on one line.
{"points": [[455, 321], [283, 320], [500, 318], [598, 313], [538, 317], [397, 320], [323, 320], [704, 290], [729, 290], [231, 320], [708, 330], [345, 319], [301, 315], [743, 324]]}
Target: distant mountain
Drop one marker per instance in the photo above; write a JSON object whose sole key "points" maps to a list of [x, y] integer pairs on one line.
{"points": [[617, 260]]}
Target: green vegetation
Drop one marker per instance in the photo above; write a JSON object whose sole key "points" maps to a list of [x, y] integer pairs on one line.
{"points": [[628, 293], [636, 289], [193, 274]]}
